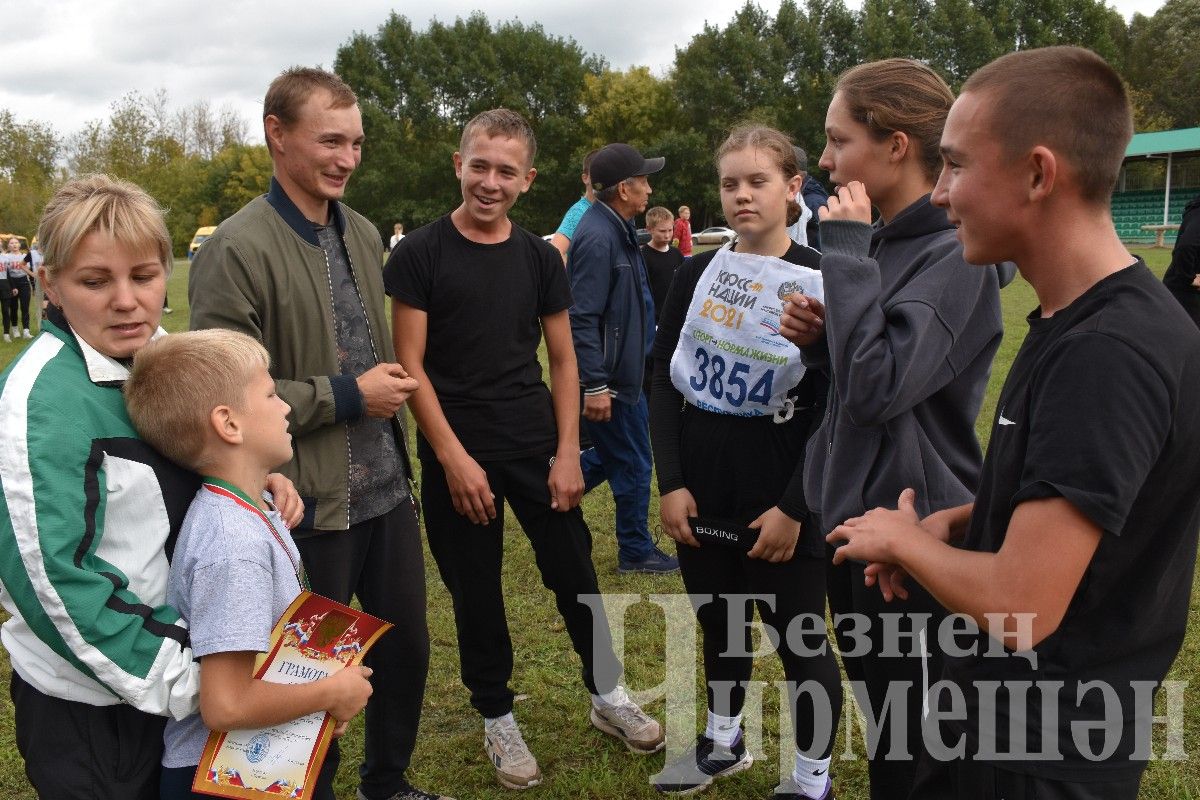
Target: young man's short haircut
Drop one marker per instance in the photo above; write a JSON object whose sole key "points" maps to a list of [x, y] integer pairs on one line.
{"points": [[658, 214], [683, 209], [177, 381], [499, 122], [291, 90], [105, 205], [1066, 98]]}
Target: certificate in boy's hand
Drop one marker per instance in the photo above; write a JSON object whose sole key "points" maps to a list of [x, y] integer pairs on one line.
{"points": [[314, 638]]}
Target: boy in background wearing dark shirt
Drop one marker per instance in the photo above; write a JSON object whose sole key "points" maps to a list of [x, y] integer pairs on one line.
{"points": [[472, 295], [1087, 513], [662, 259], [206, 401]]}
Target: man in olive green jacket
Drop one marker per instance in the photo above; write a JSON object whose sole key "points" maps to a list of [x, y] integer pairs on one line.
{"points": [[299, 271]]}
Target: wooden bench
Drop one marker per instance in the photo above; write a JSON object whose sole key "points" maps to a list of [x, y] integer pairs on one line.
{"points": [[1159, 232]]}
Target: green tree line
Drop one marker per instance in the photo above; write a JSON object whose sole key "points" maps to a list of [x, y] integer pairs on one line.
{"points": [[417, 88]]}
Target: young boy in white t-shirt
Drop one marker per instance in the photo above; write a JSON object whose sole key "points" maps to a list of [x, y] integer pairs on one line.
{"points": [[206, 400]]}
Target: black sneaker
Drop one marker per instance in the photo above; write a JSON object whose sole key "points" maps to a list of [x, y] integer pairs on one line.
{"points": [[706, 760], [656, 562], [408, 792]]}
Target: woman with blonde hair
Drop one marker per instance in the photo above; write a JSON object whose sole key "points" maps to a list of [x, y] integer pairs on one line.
{"points": [[98, 658]]}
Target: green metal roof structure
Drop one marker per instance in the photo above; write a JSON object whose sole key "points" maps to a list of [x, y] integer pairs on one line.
{"points": [[1160, 144]]}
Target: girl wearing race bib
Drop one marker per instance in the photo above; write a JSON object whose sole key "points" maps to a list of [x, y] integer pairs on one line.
{"points": [[730, 411], [908, 341]]}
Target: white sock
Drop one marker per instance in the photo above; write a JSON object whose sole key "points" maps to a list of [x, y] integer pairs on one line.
{"points": [[811, 775], [723, 730], [487, 721], [609, 699]]}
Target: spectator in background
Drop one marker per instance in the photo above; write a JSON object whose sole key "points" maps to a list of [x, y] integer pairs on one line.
{"points": [[1181, 276], [8, 292], [610, 324], [397, 235], [662, 259], [683, 231], [20, 288], [798, 227], [33, 262], [566, 229], [814, 197]]}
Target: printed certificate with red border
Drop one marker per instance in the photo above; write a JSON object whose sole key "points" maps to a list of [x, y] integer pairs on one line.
{"points": [[314, 638]]}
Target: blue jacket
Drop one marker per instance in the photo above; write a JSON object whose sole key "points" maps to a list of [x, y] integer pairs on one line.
{"points": [[612, 319], [814, 196]]}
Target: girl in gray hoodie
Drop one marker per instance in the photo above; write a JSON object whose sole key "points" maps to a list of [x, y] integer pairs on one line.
{"points": [[906, 334]]}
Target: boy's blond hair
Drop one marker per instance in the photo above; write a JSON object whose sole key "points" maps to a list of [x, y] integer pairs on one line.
{"points": [[178, 380], [658, 214], [106, 205]]}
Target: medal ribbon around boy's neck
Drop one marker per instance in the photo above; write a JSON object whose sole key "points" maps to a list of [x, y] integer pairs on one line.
{"points": [[226, 489]]}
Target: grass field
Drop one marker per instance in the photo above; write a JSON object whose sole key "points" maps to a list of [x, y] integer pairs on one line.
{"points": [[578, 761]]}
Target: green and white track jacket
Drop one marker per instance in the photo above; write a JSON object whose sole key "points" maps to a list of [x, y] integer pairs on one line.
{"points": [[86, 514]]}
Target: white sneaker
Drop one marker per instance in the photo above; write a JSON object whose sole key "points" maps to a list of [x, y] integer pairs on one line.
{"points": [[14, 332], [7, 338], [27, 334], [625, 720], [515, 766]]}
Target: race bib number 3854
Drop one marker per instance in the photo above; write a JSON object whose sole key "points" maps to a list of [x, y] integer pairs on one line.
{"points": [[731, 358]]}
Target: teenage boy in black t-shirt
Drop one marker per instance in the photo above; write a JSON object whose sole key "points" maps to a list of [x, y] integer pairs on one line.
{"points": [[472, 295], [1087, 512], [661, 262]]}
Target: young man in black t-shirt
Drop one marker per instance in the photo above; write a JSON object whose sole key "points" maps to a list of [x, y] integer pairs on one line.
{"points": [[1087, 513], [472, 295]]}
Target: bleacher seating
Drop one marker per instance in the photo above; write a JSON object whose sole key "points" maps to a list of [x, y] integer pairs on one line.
{"points": [[1132, 210]]}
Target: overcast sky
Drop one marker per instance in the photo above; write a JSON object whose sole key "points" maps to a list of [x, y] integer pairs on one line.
{"points": [[66, 61]]}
